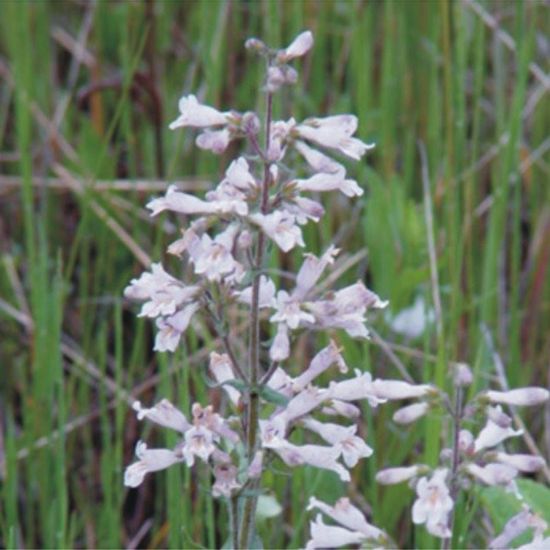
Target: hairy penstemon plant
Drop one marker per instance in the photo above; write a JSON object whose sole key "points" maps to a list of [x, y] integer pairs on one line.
{"points": [[260, 204]]}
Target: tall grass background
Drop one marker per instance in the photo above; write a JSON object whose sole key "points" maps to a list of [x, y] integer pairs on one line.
{"points": [[456, 212]]}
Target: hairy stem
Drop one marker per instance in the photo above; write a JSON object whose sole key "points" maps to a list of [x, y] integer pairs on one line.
{"points": [[249, 512]]}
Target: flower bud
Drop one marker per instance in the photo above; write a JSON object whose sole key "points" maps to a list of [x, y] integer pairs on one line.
{"points": [[396, 389], [522, 462], [466, 442], [462, 375], [391, 476], [250, 123], [521, 397], [493, 474], [255, 45], [411, 413]]}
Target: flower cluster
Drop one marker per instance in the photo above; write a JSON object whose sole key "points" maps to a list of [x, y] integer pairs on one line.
{"points": [[474, 459]]}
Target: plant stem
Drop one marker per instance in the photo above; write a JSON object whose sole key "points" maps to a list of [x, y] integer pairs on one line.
{"points": [[249, 512], [457, 417]]}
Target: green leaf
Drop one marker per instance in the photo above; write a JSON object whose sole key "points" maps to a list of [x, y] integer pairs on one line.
{"points": [[272, 396]]}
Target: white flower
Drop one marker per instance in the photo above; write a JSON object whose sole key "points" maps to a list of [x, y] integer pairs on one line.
{"points": [[280, 131], [321, 362], [493, 474], [184, 203], [517, 525], [330, 182], [522, 462], [171, 328], [397, 389], [302, 403], [220, 367], [317, 160], [353, 447], [334, 132], [226, 480], [194, 114], [214, 140], [318, 456], [355, 389], [330, 536], [165, 414], [162, 293], [297, 48], [336, 407], [493, 434], [349, 516], [266, 293], [521, 397], [410, 413], [304, 209], [199, 441], [280, 227], [392, 476], [433, 504], [280, 347], [311, 270], [150, 460], [289, 311]]}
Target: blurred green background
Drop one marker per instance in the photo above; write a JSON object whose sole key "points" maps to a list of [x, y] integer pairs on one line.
{"points": [[87, 90]]}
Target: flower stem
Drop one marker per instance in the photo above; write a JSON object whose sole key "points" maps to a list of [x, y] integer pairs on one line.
{"points": [[457, 418], [249, 512]]}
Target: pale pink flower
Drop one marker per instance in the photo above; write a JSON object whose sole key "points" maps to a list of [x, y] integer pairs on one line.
{"points": [[331, 536], [163, 413], [214, 258], [266, 294], [329, 182], [199, 441], [304, 209], [281, 228], [397, 389], [184, 203], [220, 367], [297, 48], [344, 513], [433, 504], [355, 389], [321, 362], [238, 181], [216, 141], [353, 447], [317, 160], [493, 474], [311, 270], [410, 413], [205, 416], [302, 404], [226, 480], [521, 397], [150, 460], [517, 525], [194, 114], [392, 476], [280, 347], [280, 132], [337, 407], [162, 293], [171, 328], [280, 76], [493, 434], [318, 456], [346, 309], [334, 132], [289, 311], [521, 462]]}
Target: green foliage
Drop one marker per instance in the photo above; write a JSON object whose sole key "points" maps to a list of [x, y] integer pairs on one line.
{"points": [[74, 356]]}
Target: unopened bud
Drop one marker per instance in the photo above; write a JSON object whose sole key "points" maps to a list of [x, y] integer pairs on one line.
{"points": [[522, 462], [500, 418], [411, 413], [391, 476], [255, 468], [462, 375], [466, 442], [493, 474], [521, 397], [255, 45], [397, 389], [250, 123]]}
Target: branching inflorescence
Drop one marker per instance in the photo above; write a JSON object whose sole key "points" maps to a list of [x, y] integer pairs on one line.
{"points": [[261, 203]]}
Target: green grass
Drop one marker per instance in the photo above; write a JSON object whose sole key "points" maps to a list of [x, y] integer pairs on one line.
{"points": [[415, 72]]}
